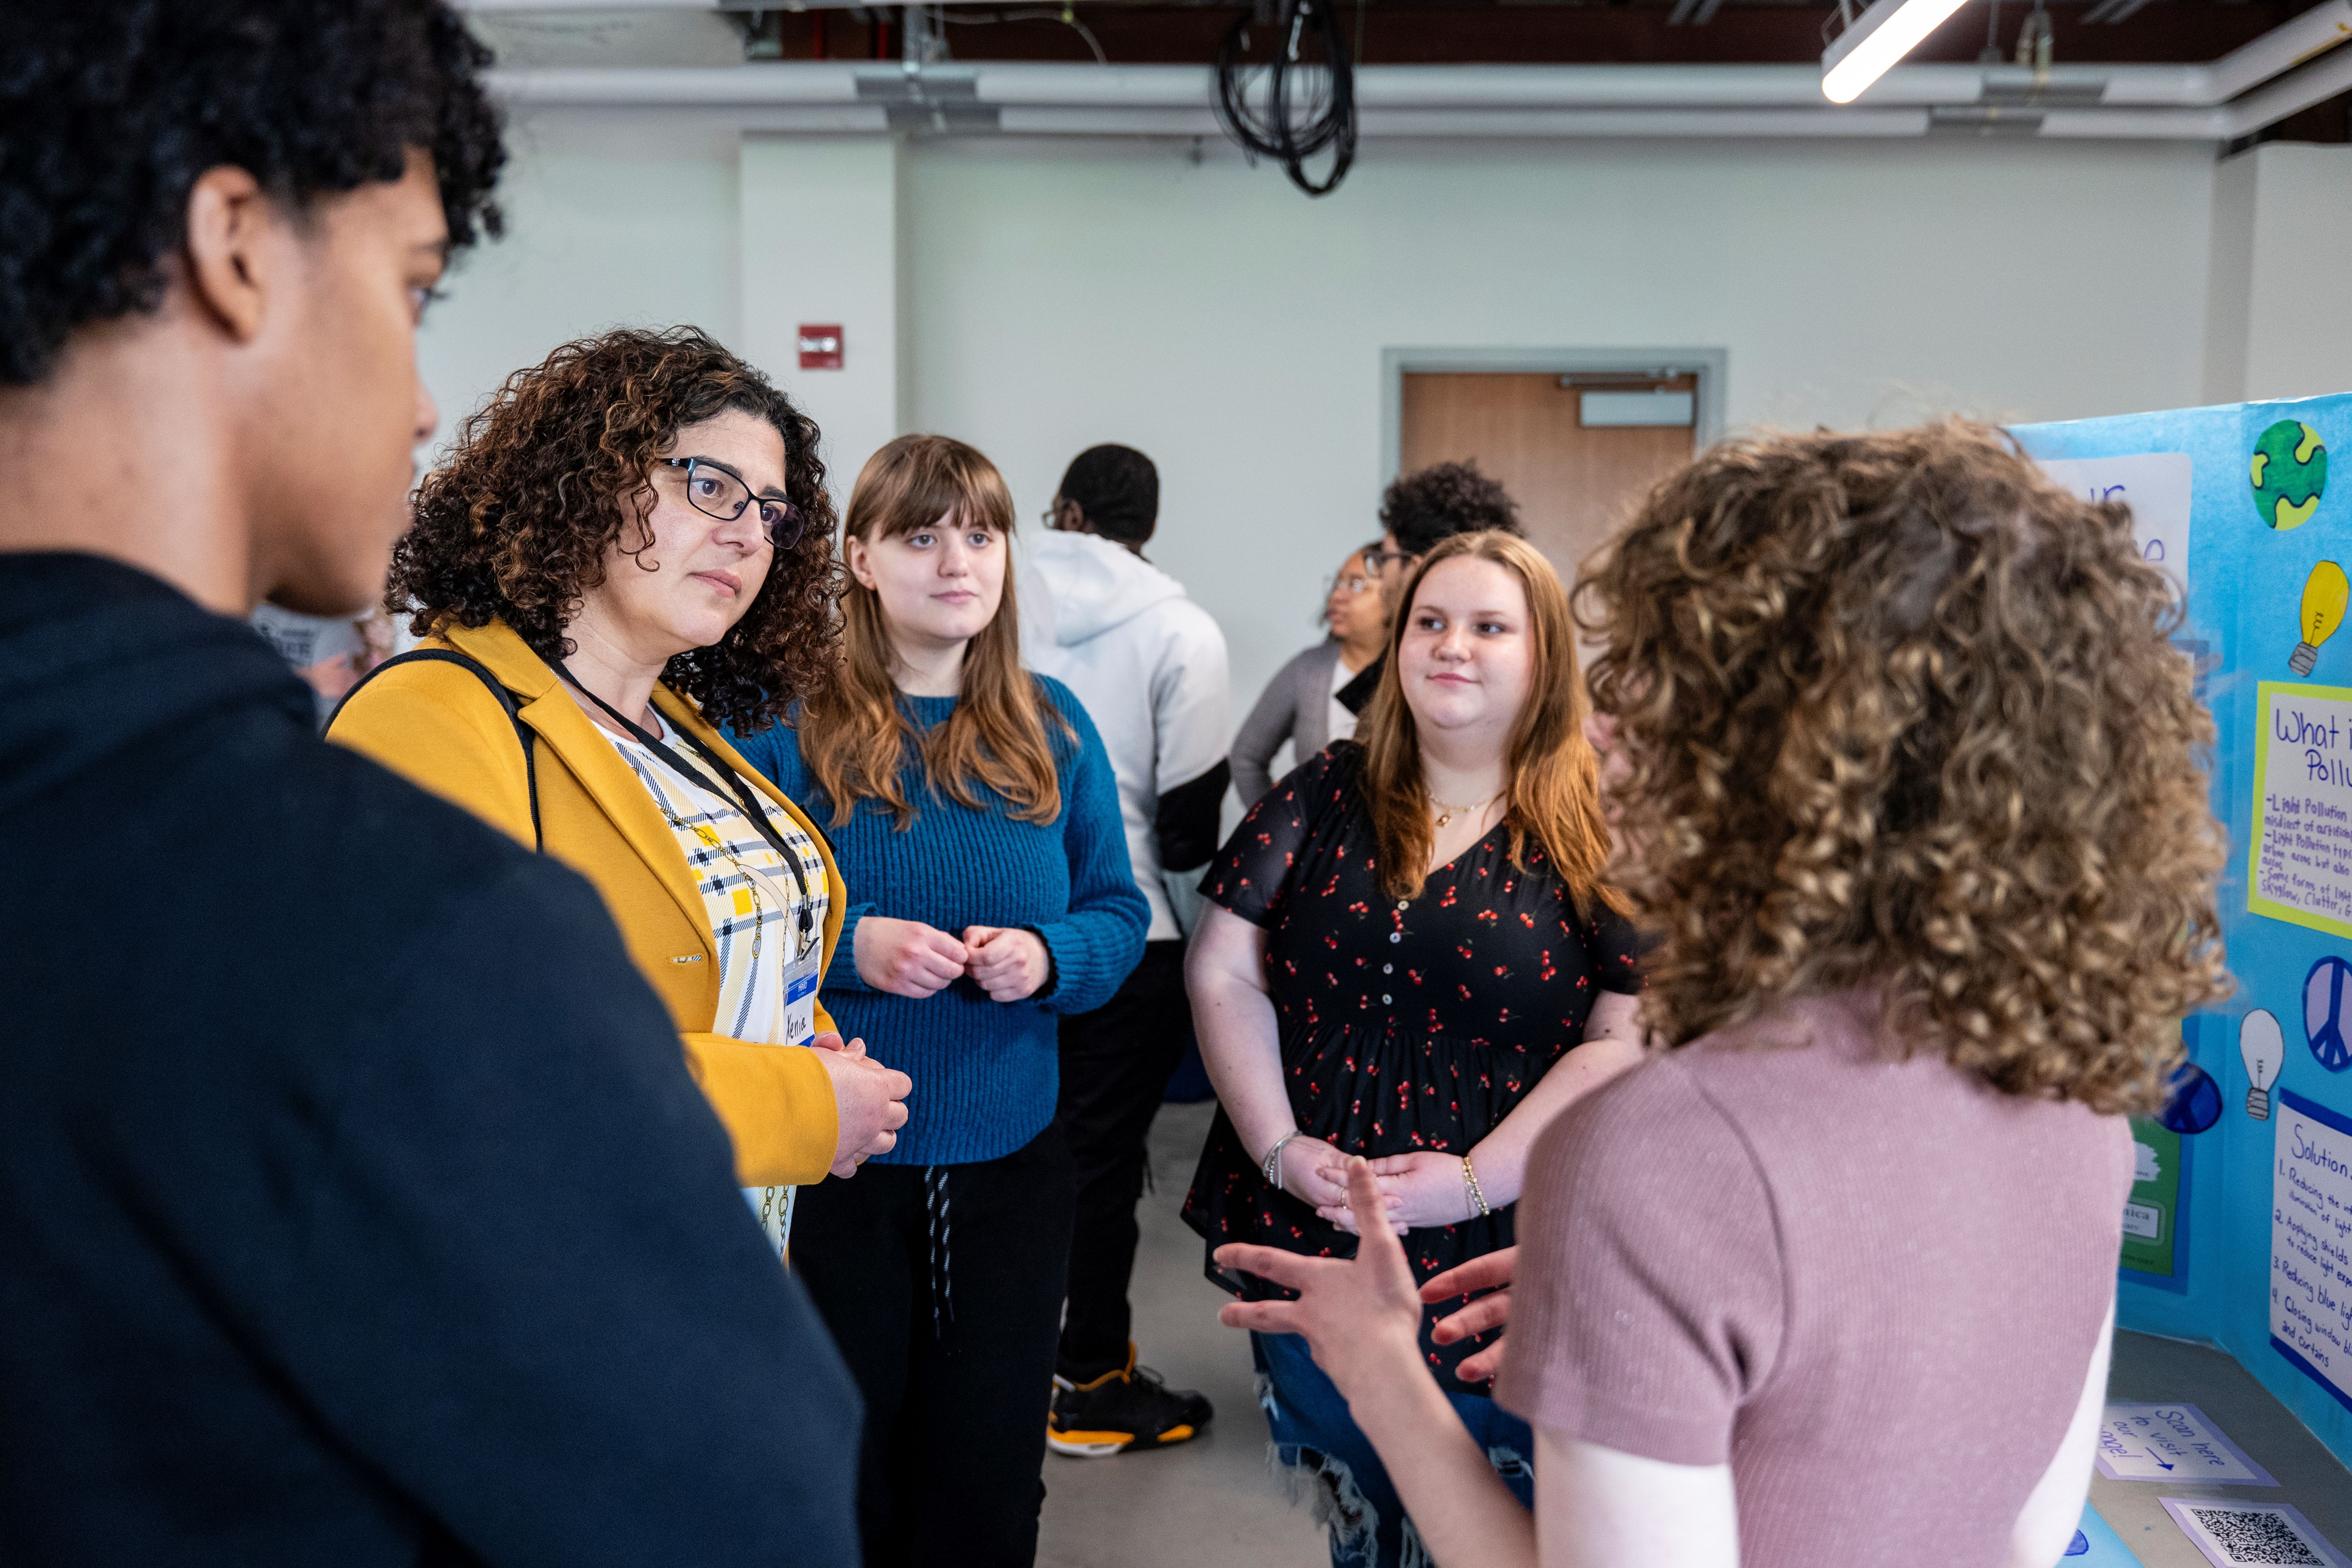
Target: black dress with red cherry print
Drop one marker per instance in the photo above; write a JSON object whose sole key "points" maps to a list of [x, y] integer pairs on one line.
{"points": [[1404, 1026]]}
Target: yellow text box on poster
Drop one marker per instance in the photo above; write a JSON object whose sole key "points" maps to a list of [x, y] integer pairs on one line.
{"points": [[2299, 866]]}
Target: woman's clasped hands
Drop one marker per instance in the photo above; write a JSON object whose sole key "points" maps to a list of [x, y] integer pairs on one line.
{"points": [[1416, 1190], [869, 1100], [908, 958]]}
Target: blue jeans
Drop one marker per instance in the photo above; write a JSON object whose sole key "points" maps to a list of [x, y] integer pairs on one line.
{"points": [[1312, 1431]]}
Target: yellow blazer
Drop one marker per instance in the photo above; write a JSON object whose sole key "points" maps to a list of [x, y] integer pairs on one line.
{"points": [[437, 724]]}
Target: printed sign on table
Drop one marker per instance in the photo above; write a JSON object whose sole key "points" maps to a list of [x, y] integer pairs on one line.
{"points": [[2300, 866], [2172, 1443], [2251, 1534], [2311, 1242]]}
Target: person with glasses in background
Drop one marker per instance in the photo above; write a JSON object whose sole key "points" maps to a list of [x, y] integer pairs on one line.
{"points": [[597, 582], [1301, 704], [1419, 510]]}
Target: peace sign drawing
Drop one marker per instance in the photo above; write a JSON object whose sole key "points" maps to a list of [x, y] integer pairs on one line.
{"points": [[2322, 1013]]}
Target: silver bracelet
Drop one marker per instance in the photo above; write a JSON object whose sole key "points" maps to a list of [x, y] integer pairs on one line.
{"points": [[1470, 1189], [1272, 1163]]}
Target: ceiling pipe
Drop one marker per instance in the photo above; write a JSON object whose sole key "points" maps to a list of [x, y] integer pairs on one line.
{"points": [[1377, 87], [2280, 50], [2289, 95]]}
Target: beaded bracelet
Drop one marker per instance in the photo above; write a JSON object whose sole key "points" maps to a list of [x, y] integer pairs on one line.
{"points": [[1470, 1189]]}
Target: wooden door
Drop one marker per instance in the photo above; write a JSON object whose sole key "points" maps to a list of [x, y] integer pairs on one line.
{"points": [[1575, 484]]}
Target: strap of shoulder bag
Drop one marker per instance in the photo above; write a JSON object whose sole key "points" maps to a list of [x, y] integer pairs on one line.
{"points": [[498, 689]]}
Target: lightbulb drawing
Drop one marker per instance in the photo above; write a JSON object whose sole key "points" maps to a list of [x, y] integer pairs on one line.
{"points": [[2263, 1048], [2324, 595]]}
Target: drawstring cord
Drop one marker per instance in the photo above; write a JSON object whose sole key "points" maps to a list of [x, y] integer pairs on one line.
{"points": [[935, 1204]]}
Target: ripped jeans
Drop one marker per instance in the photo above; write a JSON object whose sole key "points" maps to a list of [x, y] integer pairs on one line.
{"points": [[1313, 1433]]}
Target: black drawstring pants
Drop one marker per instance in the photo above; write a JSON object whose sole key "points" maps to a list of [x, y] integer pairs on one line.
{"points": [[942, 1286]]}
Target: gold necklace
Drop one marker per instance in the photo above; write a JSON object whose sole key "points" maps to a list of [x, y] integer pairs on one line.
{"points": [[1446, 812]]}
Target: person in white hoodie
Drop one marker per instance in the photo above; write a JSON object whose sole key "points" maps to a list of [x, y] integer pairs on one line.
{"points": [[1149, 666]]}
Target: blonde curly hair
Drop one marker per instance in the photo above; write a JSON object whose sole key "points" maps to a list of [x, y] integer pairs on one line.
{"points": [[1893, 710]]}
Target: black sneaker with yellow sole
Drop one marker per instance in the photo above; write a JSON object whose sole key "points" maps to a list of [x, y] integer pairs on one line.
{"points": [[1128, 1407]]}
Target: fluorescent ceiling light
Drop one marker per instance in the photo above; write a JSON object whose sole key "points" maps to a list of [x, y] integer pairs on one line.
{"points": [[1879, 37]]}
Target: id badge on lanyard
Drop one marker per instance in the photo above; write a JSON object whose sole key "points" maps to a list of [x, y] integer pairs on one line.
{"points": [[800, 998], [774, 1205]]}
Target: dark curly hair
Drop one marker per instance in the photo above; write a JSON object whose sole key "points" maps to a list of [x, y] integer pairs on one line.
{"points": [[1894, 711], [514, 526], [111, 109], [1442, 500]]}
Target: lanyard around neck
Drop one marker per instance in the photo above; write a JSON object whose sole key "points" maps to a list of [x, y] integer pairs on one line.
{"points": [[742, 793]]}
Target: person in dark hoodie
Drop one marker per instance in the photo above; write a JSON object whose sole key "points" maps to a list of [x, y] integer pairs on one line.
{"points": [[415, 1250]]}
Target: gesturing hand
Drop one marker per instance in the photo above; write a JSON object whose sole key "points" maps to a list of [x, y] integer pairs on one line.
{"points": [[1007, 962], [1361, 1317], [907, 958], [866, 1099], [1491, 1272]]}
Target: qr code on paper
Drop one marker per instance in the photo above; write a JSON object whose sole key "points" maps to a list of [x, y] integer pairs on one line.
{"points": [[2260, 1538], [2252, 1536]]}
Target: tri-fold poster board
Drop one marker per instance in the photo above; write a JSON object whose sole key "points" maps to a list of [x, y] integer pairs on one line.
{"points": [[2239, 1226]]}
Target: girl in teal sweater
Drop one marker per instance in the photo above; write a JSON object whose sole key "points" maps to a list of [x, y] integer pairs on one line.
{"points": [[974, 813]]}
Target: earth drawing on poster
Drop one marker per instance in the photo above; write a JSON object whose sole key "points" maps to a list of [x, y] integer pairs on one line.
{"points": [[2289, 473]]}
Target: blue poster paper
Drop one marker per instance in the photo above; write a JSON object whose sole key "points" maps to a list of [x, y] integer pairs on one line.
{"points": [[2237, 503], [2100, 1546]]}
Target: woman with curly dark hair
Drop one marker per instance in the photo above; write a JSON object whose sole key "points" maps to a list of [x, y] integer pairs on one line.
{"points": [[631, 544], [1907, 783]]}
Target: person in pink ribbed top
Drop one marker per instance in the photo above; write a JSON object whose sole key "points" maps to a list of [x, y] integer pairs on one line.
{"points": [[1906, 777]]}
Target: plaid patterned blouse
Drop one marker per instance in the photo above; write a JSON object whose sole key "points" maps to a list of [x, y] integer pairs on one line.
{"points": [[753, 904], [748, 892]]}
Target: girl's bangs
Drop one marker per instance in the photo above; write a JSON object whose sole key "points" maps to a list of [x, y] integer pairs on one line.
{"points": [[946, 489]]}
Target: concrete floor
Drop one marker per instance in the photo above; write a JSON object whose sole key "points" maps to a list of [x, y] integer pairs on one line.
{"points": [[1209, 1502], [1214, 1501]]}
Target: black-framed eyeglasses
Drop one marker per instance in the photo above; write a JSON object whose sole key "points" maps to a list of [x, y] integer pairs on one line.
{"points": [[1377, 560], [717, 491]]}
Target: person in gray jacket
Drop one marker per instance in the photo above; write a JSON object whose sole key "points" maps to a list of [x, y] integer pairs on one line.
{"points": [[1301, 704]]}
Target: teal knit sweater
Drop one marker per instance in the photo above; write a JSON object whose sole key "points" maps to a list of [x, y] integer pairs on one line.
{"points": [[986, 1073]]}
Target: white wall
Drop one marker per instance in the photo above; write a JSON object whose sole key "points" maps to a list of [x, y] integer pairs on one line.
{"points": [[821, 228], [612, 220], [1064, 294], [2283, 254], [1053, 294]]}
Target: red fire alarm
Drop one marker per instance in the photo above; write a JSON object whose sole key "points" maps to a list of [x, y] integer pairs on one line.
{"points": [[820, 347]]}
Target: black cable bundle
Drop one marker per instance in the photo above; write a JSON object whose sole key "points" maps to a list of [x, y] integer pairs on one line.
{"points": [[1308, 105]]}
